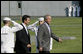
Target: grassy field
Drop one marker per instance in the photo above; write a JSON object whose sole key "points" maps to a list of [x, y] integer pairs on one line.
{"points": [[63, 27]]}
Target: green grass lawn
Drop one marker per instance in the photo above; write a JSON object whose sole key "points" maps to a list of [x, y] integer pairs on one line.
{"points": [[66, 26]]}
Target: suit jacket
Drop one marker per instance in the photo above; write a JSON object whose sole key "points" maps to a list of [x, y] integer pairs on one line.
{"points": [[22, 39], [43, 37]]}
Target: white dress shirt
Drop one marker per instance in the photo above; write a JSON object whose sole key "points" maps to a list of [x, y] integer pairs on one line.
{"points": [[25, 27]]}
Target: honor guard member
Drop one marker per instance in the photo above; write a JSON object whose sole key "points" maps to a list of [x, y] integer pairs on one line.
{"points": [[7, 35], [74, 10], [33, 27], [78, 10], [70, 11]]}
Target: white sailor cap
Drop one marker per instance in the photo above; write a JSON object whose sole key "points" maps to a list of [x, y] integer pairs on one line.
{"points": [[41, 19], [7, 18]]}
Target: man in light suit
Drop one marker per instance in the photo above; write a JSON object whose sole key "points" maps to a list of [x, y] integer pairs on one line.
{"points": [[44, 34], [23, 44]]}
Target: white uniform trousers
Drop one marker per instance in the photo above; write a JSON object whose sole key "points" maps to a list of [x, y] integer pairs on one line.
{"points": [[69, 13], [7, 49]]}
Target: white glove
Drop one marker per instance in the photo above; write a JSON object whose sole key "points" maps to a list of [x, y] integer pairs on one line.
{"points": [[35, 23], [14, 22]]}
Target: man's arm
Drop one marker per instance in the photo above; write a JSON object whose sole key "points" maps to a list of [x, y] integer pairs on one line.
{"points": [[32, 26], [56, 38], [34, 23], [16, 27]]}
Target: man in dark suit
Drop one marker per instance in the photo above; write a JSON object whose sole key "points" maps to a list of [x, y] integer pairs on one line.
{"points": [[44, 34], [22, 44]]}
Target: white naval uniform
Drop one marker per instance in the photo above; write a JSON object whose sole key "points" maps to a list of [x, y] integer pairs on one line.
{"points": [[34, 28], [78, 10], [7, 37], [74, 11], [70, 10]]}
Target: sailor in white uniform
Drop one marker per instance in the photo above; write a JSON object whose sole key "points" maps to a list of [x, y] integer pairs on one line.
{"points": [[74, 10], [78, 10], [34, 28], [7, 35], [70, 11]]}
